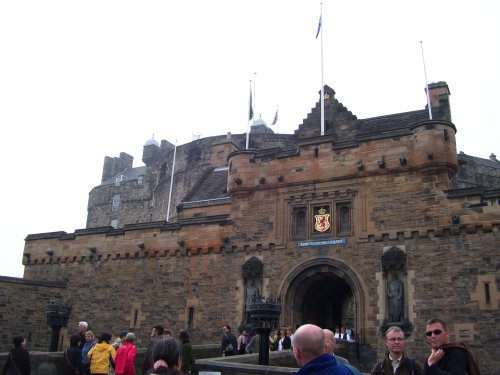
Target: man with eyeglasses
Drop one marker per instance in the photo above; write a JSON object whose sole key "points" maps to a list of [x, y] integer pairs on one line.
{"points": [[447, 358], [396, 362]]}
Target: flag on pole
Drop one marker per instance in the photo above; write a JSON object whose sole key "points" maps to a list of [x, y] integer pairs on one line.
{"points": [[250, 109], [319, 27], [322, 96], [250, 113], [275, 118]]}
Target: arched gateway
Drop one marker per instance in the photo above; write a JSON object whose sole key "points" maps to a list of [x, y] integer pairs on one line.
{"points": [[325, 292]]}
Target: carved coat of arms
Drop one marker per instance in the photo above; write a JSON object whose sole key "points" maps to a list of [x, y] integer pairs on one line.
{"points": [[322, 223]]}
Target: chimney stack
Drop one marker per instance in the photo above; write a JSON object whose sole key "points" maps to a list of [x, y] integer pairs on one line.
{"points": [[439, 94]]}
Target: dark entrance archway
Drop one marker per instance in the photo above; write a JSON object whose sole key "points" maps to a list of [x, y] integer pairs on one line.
{"points": [[322, 291], [326, 300]]}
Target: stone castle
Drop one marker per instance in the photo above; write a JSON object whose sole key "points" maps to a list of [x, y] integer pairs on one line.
{"points": [[377, 222]]}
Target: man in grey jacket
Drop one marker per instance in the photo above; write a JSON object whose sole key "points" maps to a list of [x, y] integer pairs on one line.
{"points": [[330, 342]]}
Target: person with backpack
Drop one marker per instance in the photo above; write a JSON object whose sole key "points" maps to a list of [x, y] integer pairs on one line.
{"points": [[396, 362]]}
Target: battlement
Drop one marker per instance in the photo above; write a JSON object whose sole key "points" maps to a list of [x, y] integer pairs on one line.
{"points": [[157, 244]]}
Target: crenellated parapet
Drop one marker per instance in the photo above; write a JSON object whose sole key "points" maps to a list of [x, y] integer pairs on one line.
{"points": [[163, 242], [425, 146]]}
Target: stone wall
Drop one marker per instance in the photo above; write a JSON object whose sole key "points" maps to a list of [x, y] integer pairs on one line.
{"points": [[52, 363], [149, 201], [475, 171], [122, 291], [22, 310]]}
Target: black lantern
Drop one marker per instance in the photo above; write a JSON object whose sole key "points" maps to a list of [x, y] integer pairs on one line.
{"points": [[57, 317], [265, 316]]}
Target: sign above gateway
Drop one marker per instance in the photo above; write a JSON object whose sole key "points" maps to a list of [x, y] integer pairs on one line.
{"points": [[336, 241]]}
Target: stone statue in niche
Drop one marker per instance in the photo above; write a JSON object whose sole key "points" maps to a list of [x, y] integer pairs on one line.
{"points": [[395, 294], [252, 296], [252, 272]]}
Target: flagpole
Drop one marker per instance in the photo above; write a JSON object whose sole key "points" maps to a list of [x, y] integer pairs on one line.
{"points": [[171, 181], [254, 90], [250, 114], [322, 85], [426, 85]]}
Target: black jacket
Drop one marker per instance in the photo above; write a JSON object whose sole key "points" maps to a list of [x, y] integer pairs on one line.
{"points": [[229, 338], [287, 343], [72, 361], [18, 362], [454, 362], [405, 367]]}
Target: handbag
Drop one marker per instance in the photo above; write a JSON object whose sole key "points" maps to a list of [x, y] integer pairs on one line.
{"points": [[229, 347]]}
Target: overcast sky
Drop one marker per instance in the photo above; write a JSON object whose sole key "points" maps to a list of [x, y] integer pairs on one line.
{"points": [[81, 80]]}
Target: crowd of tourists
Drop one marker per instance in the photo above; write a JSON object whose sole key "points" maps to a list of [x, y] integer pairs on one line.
{"points": [[91, 355], [247, 341], [312, 347], [101, 355]]}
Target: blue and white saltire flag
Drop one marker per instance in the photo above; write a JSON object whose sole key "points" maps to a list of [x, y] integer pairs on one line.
{"points": [[319, 27]]}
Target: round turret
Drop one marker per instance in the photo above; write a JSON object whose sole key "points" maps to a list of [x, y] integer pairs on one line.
{"points": [[151, 151], [435, 146], [260, 126], [152, 141]]}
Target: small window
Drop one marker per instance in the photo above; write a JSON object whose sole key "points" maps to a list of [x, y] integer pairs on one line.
{"points": [[119, 179], [191, 318], [487, 295], [116, 202], [140, 180], [136, 315], [344, 218], [163, 170], [299, 223], [114, 223]]}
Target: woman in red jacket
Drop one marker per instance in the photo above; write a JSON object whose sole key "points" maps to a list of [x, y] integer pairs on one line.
{"points": [[125, 356]]}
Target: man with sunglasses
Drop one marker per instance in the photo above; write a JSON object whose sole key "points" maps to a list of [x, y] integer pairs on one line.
{"points": [[446, 358], [396, 362]]}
